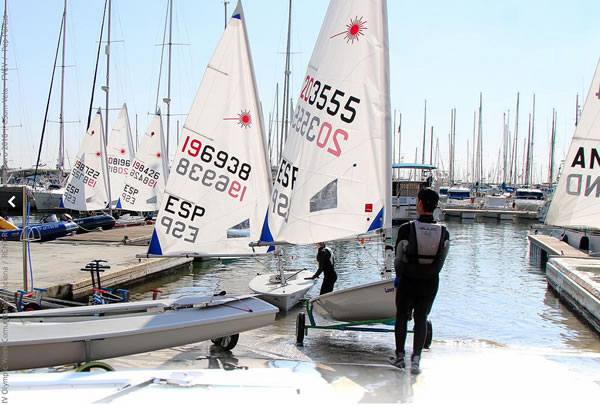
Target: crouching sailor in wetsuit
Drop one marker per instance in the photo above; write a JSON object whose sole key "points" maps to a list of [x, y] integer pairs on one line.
{"points": [[326, 266], [421, 249]]}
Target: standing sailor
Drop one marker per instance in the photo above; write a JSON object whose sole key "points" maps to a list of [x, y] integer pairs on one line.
{"points": [[326, 266], [421, 249]]}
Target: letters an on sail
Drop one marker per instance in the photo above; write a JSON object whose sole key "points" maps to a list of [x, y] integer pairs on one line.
{"points": [[145, 182], [87, 186], [576, 200], [218, 189], [119, 154], [333, 180]]}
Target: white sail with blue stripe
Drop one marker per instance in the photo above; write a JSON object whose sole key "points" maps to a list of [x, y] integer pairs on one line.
{"points": [[144, 181], [87, 186], [120, 153], [334, 179], [219, 185]]}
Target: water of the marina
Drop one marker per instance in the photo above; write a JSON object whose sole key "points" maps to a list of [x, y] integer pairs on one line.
{"points": [[488, 288], [490, 298]]}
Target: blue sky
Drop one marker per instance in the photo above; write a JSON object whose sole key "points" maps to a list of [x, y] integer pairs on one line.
{"points": [[445, 52]]}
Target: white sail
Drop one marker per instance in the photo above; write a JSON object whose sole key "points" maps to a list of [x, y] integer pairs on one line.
{"points": [[146, 175], [120, 153], [218, 189], [334, 177], [87, 186], [576, 200]]}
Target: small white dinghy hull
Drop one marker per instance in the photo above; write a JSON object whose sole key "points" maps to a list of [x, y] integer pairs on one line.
{"points": [[370, 301], [56, 337], [285, 297]]}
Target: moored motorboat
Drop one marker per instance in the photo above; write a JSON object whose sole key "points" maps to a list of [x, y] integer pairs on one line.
{"points": [[41, 232], [92, 223]]}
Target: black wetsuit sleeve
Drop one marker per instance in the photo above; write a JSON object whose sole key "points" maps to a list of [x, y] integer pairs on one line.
{"points": [[445, 244], [320, 260], [403, 235]]}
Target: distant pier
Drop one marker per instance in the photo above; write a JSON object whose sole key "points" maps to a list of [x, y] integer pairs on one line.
{"points": [[500, 214]]}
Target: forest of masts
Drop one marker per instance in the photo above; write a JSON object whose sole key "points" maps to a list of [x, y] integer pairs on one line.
{"points": [[514, 164]]}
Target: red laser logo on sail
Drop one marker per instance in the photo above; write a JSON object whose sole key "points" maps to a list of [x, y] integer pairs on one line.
{"points": [[353, 30], [244, 119]]}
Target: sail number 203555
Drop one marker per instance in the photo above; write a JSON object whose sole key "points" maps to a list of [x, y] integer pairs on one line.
{"points": [[310, 125], [319, 94]]}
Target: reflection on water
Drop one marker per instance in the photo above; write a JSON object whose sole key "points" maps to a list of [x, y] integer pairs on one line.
{"points": [[488, 289]]}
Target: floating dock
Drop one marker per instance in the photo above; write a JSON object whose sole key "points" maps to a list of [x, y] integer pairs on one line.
{"points": [[577, 283], [572, 274], [541, 247], [57, 264], [135, 235], [504, 215]]}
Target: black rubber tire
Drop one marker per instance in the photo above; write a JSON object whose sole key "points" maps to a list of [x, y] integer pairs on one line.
{"points": [[227, 342], [89, 366], [31, 306], [300, 327], [429, 335]]}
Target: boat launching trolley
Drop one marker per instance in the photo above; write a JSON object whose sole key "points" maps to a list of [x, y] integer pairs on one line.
{"points": [[369, 308], [366, 326]]}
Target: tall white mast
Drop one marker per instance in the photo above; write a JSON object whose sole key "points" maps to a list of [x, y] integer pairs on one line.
{"points": [[106, 89], [4, 97], [286, 83], [168, 99], [61, 148]]}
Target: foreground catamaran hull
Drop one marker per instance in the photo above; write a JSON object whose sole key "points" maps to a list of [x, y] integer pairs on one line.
{"points": [[65, 336], [370, 301], [284, 297]]}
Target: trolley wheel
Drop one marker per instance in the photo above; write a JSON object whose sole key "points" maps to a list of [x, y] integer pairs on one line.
{"points": [[31, 306], [89, 366], [227, 342], [429, 335], [300, 327]]}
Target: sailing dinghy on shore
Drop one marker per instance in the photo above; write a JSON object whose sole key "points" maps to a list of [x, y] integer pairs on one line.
{"points": [[217, 155], [87, 186], [334, 178], [46, 338], [144, 181]]}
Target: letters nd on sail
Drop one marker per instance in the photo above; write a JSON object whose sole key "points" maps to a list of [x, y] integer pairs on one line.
{"points": [[576, 200], [333, 178], [219, 185]]}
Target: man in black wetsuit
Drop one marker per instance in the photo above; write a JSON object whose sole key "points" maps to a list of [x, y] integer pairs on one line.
{"points": [[326, 266], [421, 249]]}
